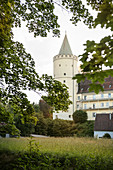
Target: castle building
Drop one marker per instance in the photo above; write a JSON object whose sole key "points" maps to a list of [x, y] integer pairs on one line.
{"points": [[65, 66]]}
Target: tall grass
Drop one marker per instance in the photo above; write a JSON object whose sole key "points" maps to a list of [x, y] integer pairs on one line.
{"points": [[78, 146]]}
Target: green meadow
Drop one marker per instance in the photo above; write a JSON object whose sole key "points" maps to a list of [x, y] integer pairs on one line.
{"points": [[70, 145], [80, 153]]}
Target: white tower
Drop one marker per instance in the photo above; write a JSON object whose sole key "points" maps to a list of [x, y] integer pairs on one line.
{"points": [[65, 67]]}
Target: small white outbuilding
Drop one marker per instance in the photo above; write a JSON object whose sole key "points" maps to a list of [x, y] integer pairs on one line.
{"points": [[103, 125]]}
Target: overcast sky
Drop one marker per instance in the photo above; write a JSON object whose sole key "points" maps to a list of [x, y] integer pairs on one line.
{"points": [[44, 49]]}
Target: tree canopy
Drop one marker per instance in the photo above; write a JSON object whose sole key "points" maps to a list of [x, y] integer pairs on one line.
{"points": [[79, 116], [98, 55], [17, 67]]}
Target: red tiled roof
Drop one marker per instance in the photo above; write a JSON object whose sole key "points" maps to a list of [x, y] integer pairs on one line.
{"points": [[84, 85], [103, 122]]}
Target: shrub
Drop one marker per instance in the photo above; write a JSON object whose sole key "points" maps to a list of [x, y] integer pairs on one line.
{"points": [[41, 127], [62, 128], [107, 135], [85, 129], [79, 116]]}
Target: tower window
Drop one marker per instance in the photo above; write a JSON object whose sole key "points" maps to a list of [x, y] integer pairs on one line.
{"points": [[64, 81], [69, 116], [64, 74], [59, 65]]}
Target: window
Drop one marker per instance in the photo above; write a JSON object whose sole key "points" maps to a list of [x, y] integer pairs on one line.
{"points": [[94, 105], [78, 97], [59, 65], [94, 97], [102, 104], [94, 114], [110, 86], [85, 97], [107, 104], [64, 74], [85, 106], [64, 81], [109, 95], [77, 106], [102, 95], [69, 116]]}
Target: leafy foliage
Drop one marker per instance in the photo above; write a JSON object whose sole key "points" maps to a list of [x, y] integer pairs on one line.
{"points": [[98, 55], [7, 125], [79, 116], [107, 135], [85, 129], [17, 67]]}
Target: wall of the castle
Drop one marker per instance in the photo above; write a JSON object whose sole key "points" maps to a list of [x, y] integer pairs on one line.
{"points": [[65, 67]]}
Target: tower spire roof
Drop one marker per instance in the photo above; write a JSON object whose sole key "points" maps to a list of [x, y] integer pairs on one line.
{"points": [[65, 48]]}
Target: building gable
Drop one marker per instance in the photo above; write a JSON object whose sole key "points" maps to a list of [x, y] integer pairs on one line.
{"points": [[103, 122]]}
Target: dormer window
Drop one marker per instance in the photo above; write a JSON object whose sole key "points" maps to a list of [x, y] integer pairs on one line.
{"points": [[110, 86]]}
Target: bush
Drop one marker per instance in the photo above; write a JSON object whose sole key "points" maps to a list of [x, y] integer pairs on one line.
{"points": [[41, 127], [79, 116], [85, 129], [107, 135], [62, 128]]}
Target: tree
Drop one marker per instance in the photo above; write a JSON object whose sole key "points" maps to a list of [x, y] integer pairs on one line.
{"points": [[36, 107], [6, 122], [17, 68], [79, 116], [45, 108], [98, 55]]}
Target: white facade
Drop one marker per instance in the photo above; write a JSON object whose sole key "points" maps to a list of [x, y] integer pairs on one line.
{"points": [[65, 67], [95, 103]]}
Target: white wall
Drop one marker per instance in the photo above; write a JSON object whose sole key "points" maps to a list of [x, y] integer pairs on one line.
{"points": [[100, 134]]}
